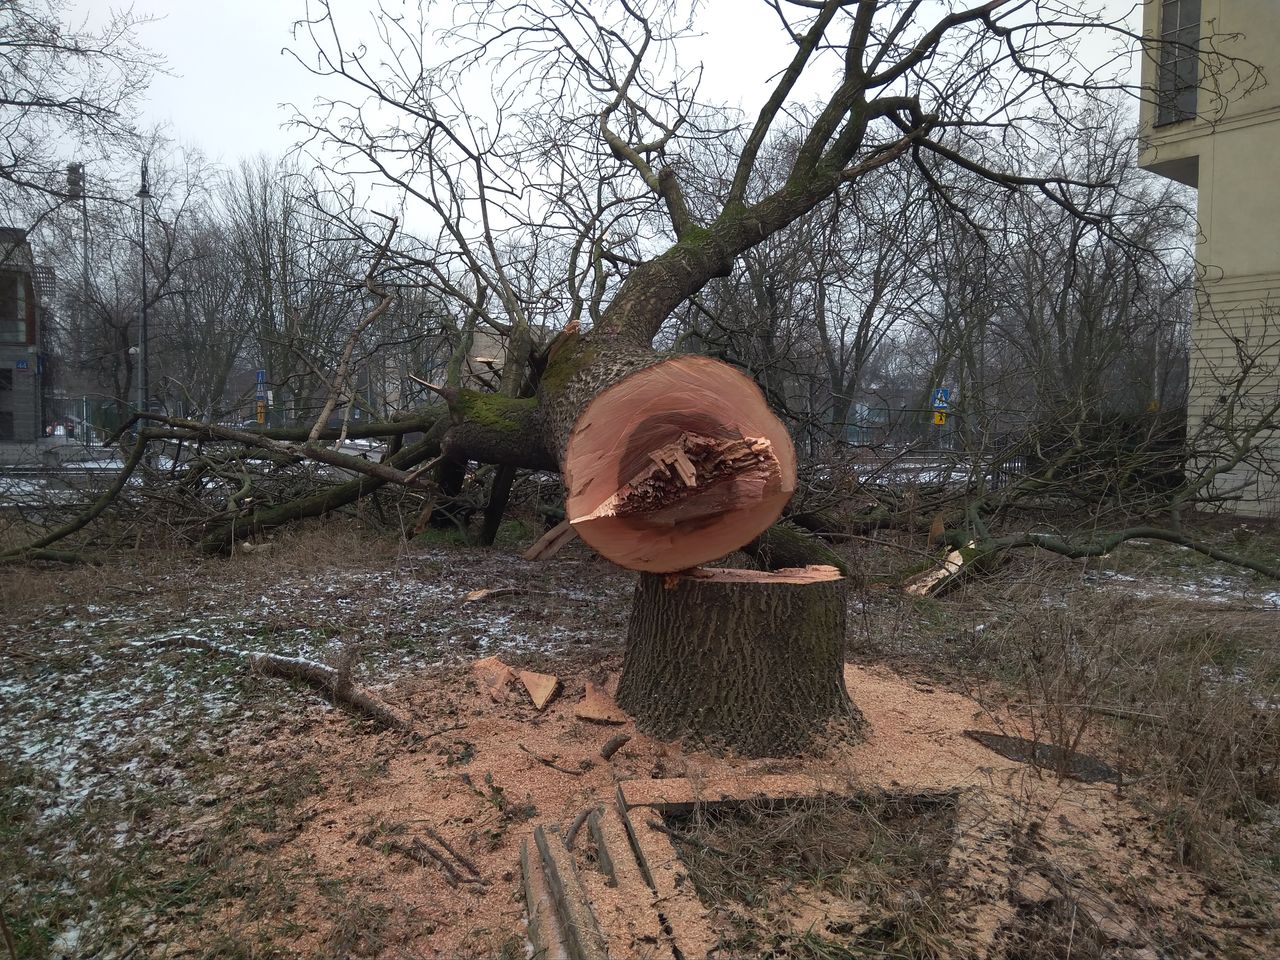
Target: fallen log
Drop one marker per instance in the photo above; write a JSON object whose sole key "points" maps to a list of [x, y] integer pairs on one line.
{"points": [[676, 462]]}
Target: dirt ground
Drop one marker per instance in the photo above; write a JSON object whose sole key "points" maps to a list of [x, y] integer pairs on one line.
{"points": [[165, 803]]}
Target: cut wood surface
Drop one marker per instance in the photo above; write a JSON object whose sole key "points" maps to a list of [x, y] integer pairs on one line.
{"points": [[540, 686], [678, 464], [796, 575], [956, 564], [495, 676], [929, 581], [598, 707], [681, 794]]}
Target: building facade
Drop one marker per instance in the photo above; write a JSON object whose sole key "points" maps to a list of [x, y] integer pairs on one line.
{"points": [[21, 366], [1211, 120]]}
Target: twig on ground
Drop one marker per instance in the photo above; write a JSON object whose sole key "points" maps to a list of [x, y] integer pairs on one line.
{"points": [[335, 683], [574, 827], [549, 763], [452, 852], [441, 731], [423, 854], [614, 744]]}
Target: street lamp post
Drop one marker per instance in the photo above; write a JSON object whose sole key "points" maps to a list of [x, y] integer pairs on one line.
{"points": [[143, 195]]}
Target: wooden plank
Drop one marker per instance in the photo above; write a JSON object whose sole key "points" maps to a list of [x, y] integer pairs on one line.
{"points": [[629, 915], [630, 830], [581, 932], [544, 930], [604, 859], [686, 923]]}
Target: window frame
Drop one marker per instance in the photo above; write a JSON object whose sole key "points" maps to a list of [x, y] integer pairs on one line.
{"points": [[1177, 83]]}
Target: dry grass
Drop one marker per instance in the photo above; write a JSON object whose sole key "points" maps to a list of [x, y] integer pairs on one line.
{"points": [[824, 878], [1166, 666], [1177, 691]]}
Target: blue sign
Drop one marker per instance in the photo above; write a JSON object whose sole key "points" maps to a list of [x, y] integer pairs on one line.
{"points": [[261, 376], [21, 364], [941, 398]]}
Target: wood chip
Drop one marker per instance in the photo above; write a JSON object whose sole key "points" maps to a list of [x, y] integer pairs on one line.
{"points": [[494, 676], [598, 707], [541, 686]]}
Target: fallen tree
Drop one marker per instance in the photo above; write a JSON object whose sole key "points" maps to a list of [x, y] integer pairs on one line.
{"points": [[668, 460]]}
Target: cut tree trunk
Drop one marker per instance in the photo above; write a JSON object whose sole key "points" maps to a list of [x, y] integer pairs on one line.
{"points": [[677, 462], [743, 660]]}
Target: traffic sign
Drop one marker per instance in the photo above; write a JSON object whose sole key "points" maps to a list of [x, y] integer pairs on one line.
{"points": [[261, 376], [939, 418], [941, 398]]}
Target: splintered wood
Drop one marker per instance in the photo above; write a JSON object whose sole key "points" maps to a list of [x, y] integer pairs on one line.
{"points": [[694, 476], [936, 578]]}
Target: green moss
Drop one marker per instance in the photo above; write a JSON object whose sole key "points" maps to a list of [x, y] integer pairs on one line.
{"points": [[565, 364], [694, 236], [494, 411]]}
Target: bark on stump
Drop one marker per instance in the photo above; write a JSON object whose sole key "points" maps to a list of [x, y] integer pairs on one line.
{"points": [[742, 660]]}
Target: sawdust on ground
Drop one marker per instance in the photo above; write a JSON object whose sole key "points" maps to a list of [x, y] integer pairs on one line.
{"points": [[480, 784]]}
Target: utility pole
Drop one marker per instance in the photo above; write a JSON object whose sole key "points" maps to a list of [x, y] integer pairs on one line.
{"points": [[77, 188], [143, 195]]}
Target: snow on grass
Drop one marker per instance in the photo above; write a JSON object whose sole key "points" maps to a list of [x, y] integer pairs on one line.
{"points": [[98, 694], [1205, 587]]}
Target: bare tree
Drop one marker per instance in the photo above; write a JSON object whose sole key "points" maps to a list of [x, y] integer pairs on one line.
{"points": [[584, 160], [63, 83]]}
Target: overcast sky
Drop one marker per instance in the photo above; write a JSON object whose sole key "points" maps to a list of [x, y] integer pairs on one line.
{"points": [[229, 74]]}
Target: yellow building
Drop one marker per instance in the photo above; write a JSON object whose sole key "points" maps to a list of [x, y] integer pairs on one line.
{"points": [[1210, 121]]}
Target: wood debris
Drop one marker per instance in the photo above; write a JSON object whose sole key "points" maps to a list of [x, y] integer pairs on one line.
{"points": [[473, 595], [552, 542], [614, 744], [336, 682], [495, 677], [935, 578], [598, 707], [686, 473], [437, 853], [540, 686]]}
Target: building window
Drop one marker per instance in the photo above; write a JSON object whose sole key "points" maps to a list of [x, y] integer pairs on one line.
{"points": [[1178, 74], [6, 381], [13, 309]]}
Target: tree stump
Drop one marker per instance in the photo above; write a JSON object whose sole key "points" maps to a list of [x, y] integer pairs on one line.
{"points": [[741, 660]]}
